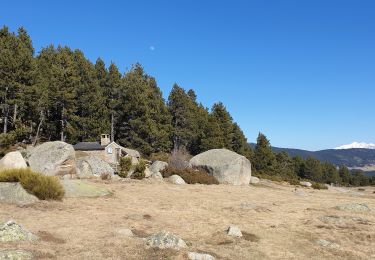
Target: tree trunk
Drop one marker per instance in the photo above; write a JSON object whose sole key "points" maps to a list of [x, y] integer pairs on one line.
{"points": [[6, 113], [112, 127], [39, 126], [15, 115]]}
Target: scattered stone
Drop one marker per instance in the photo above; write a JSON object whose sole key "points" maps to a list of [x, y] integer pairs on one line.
{"points": [[52, 158], [305, 184], [79, 188], [14, 193], [125, 232], [147, 172], [234, 231], [12, 160], [157, 175], [300, 194], [165, 239], [10, 231], [92, 166], [354, 207], [158, 166], [15, 255], [343, 219], [325, 243], [200, 256], [175, 179], [254, 180], [226, 166]]}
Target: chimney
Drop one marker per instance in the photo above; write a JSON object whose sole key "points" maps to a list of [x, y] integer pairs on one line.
{"points": [[104, 140]]}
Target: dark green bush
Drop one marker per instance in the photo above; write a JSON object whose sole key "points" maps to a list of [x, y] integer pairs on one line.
{"points": [[43, 187], [125, 165], [319, 186], [190, 176], [139, 170]]}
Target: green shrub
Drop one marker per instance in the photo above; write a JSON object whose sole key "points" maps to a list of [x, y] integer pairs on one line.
{"points": [[43, 187], [294, 182], [125, 165], [319, 186], [139, 170], [190, 176]]}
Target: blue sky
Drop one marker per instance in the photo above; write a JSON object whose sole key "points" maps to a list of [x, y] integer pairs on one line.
{"points": [[302, 72]]}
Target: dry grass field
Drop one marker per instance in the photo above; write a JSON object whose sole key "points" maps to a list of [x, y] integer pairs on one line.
{"points": [[278, 222]]}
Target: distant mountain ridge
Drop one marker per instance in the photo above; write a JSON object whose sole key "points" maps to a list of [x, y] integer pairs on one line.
{"points": [[356, 145], [358, 158]]}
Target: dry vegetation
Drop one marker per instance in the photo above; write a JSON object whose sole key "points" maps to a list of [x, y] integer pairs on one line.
{"points": [[278, 222], [43, 187]]}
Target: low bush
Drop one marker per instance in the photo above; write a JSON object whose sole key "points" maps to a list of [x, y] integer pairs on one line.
{"points": [[125, 166], [190, 176], [43, 187], [179, 159], [319, 186], [139, 170], [159, 156]]}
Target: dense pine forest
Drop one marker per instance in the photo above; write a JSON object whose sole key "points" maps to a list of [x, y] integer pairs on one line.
{"points": [[58, 94]]}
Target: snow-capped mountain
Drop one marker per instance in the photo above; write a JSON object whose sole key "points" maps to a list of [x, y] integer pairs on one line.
{"points": [[356, 145]]}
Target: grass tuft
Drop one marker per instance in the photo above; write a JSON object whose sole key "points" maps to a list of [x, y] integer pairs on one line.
{"points": [[43, 187]]}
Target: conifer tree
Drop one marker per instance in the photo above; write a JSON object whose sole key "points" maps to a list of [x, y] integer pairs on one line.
{"points": [[264, 158]]}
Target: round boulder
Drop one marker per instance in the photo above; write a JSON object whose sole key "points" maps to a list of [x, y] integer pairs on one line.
{"points": [[53, 159], [158, 166], [92, 166], [226, 166], [12, 160], [175, 179]]}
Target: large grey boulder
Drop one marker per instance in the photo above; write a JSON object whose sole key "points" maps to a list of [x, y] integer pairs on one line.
{"points": [[14, 193], [79, 188], [158, 166], [226, 166], [165, 239], [53, 159], [92, 166], [10, 231], [12, 160]]}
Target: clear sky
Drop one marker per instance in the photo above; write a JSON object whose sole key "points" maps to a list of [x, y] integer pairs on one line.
{"points": [[302, 72]]}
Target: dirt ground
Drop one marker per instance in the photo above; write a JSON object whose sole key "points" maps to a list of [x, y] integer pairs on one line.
{"points": [[278, 222]]}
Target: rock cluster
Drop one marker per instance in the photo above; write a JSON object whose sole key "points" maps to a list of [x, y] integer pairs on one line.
{"points": [[165, 239]]}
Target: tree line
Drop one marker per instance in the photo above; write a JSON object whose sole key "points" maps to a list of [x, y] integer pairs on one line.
{"points": [[58, 94], [281, 166]]}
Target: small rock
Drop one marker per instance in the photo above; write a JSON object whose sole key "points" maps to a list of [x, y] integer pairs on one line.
{"points": [[175, 179], [147, 172], [254, 180], [325, 243], [15, 255], [157, 175], [165, 239], [305, 184], [200, 256], [10, 231], [234, 231], [300, 194], [354, 207], [158, 166], [125, 232]]}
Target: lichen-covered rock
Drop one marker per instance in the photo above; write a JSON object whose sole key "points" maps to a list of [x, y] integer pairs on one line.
{"points": [[234, 231], [92, 166], [14, 193], [354, 207], [12, 160], [226, 166], [79, 188], [10, 231], [200, 256], [165, 239], [326, 243], [175, 179], [53, 158], [158, 166], [15, 255]]}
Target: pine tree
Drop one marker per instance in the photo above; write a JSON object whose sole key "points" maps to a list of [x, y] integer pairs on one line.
{"points": [[264, 158], [312, 170], [344, 175], [225, 122]]}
